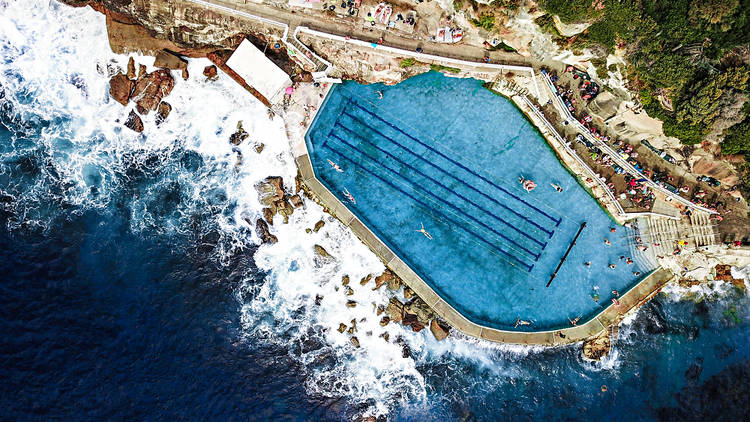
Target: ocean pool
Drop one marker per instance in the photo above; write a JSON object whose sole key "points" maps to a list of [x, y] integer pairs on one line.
{"points": [[446, 154]]}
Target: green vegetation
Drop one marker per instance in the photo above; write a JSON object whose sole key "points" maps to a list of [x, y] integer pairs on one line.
{"points": [[485, 21], [503, 46], [408, 62], [441, 68], [689, 52]]}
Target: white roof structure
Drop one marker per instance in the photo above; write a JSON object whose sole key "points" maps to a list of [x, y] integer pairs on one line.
{"points": [[259, 72]]}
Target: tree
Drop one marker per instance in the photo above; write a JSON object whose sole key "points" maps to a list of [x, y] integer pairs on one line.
{"points": [[702, 107], [737, 140], [712, 11]]}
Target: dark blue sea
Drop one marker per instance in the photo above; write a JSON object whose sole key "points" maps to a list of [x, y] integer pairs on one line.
{"points": [[132, 288]]}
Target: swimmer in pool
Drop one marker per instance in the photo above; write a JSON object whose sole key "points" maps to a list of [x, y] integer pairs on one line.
{"points": [[519, 321], [380, 95], [607, 242], [349, 196], [574, 321], [424, 232], [557, 187], [335, 166]]}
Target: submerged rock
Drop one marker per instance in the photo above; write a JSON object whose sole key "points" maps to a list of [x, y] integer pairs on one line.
{"points": [[259, 148], [355, 341], [595, 348], [439, 330], [367, 278], [351, 304], [342, 327], [239, 135], [320, 251], [134, 122], [120, 88], [345, 280]]}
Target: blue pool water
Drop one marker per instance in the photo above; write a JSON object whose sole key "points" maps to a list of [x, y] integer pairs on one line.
{"points": [[447, 153]]}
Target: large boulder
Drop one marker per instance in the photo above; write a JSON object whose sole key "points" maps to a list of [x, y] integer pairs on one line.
{"points": [[420, 309], [439, 330], [163, 111], [134, 122], [120, 88], [322, 252], [150, 89], [210, 72], [595, 348], [395, 310], [240, 135], [168, 60], [271, 190], [388, 278], [261, 229], [131, 68]]}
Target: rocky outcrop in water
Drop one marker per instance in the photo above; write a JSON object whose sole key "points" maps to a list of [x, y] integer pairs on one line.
{"points": [[150, 89], [134, 122], [595, 348], [120, 88]]}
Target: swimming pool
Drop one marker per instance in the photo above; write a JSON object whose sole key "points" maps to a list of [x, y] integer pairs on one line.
{"points": [[445, 154]]}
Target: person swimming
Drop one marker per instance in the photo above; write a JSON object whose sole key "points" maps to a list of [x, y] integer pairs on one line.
{"points": [[380, 95], [607, 242], [574, 321], [557, 187], [527, 184], [611, 266], [335, 166], [519, 321], [587, 264], [424, 232], [349, 196]]}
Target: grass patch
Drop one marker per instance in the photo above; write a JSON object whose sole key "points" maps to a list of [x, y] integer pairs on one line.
{"points": [[441, 68], [408, 62]]}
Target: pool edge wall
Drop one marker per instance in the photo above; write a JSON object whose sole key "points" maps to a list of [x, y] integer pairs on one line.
{"points": [[638, 294]]}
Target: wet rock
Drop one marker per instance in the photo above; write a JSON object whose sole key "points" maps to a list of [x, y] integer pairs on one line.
{"points": [[405, 351], [308, 230], [395, 310], [384, 321], [351, 304], [354, 341], [271, 190], [345, 280], [296, 201], [392, 281], [268, 215], [120, 88], [385, 336], [168, 60], [318, 299], [131, 68], [349, 291], [693, 373], [284, 208], [134, 122], [595, 348], [412, 320], [141, 71], [319, 225], [367, 278], [351, 330], [210, 72], [342, 327], [380, 310], [163, 111], [185, 74], [261, 229], [259, 148], [420, 309], [439, 330], [408, 293], [150, 89], [320, 251], [239, 135]]}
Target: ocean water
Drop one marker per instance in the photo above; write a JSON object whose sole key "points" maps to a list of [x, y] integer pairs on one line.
{"points": [[133, 289], [444, 154]]}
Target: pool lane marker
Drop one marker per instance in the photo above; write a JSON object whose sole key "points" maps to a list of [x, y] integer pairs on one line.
{"points": [[344, 156], [557, 221], [538, 242], [523, 217], [554, 274]]}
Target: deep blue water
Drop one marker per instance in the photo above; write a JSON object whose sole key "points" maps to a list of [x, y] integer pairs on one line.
{"points": [[129, 290]]}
